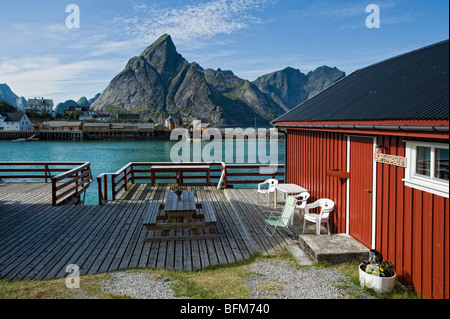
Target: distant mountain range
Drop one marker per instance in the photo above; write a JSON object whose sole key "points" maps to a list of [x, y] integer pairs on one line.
{"points": [[81, 102], [9, 96], [161, 80], [290, 87], [6, 94]]}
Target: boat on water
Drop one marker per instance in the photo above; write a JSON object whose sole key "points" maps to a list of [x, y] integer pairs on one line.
{"points": [[30, 139]]}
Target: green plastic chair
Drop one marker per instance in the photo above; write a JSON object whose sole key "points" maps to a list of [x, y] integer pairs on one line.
{"points": [[281, 219]]}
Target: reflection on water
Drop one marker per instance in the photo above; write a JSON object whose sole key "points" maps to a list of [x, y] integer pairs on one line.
{"points": [[110, 156]]}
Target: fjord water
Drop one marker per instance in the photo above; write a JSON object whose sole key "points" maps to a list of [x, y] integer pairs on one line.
{"points": [[104, 156]]}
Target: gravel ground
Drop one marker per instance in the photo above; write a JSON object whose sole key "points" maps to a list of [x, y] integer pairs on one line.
{"points": [[138, 286], [272, 279]]}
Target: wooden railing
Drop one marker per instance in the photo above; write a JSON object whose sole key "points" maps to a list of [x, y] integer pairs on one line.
{"points": [[120, 181], [254, 173], [228, 175], [71, 183], [144, 174], [66, 182]]}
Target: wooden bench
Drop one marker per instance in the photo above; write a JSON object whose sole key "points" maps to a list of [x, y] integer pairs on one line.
{"points": [[151, 216], [208, 213]]}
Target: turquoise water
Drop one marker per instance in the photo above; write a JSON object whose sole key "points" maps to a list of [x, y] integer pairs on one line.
{"points": [[108, 156]]}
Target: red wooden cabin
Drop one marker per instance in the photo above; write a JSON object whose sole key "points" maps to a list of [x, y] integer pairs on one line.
{"points": [[377, 143]]}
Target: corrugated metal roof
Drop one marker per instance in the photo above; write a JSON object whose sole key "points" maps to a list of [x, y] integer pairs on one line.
{"points": [[412, 86]]}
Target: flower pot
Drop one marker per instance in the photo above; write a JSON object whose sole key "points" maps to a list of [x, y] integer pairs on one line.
{"points": [[178, 193], [379, 284]]}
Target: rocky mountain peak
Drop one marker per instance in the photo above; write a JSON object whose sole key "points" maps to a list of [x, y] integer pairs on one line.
{"points": [[163, 56], [7, 95], [322, 78], [286, 87], [161, 80]]}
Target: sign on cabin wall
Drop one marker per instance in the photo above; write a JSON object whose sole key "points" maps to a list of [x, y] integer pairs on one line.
{"points": [[390, 159]]}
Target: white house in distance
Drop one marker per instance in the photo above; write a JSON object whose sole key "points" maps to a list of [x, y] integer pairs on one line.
{"points": [[15, 122], [105, 118], [40, 104]]}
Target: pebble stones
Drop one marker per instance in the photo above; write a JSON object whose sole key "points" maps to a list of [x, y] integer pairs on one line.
{"points": [[279, 280], [271, 279], [138, 286]]}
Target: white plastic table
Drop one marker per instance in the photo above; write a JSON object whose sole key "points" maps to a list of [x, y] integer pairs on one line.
{"points": [[287, 189]]}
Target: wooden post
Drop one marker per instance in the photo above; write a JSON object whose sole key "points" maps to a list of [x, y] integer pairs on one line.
{"points": [[53, 192], [125, 179], [77, 181], [114, 187], [46, 171], [225, 181], [100, 196], [105, 187]]}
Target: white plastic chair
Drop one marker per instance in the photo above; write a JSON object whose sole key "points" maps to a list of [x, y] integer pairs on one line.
{"points": [[326, 206], [302, 200], [272, 183], [281, 219]]}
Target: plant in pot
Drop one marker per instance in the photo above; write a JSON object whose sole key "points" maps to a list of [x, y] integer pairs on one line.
{"points": [[377, 273], [178, 191]]}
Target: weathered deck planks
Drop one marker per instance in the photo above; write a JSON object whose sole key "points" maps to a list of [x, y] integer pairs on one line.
{"points": [[38, 241], [252, 215]]}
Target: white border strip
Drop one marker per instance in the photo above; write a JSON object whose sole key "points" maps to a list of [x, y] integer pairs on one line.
{"points": [[374, 194]]}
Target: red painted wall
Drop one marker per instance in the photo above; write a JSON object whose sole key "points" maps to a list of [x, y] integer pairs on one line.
{"points": [[309, 155], [412, 226]]}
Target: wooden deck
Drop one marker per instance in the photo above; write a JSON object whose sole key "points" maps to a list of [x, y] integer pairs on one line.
{"points": [[38, 241]]}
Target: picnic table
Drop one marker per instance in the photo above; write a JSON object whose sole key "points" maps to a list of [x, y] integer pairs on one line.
{"points": [[180, 214]]}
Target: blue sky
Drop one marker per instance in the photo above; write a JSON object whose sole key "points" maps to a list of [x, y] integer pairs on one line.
{"points": [[40, 56]]}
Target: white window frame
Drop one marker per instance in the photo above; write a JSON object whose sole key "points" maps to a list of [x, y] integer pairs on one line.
{"points": [[427, 184]]}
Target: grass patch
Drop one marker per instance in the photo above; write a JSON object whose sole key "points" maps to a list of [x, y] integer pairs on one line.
{"points": [[211, 284], [215, 282], [55, 289], [351, 271]]}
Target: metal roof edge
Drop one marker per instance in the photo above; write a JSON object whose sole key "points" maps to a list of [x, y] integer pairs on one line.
{"points": [[407, 53], [426, 128]]}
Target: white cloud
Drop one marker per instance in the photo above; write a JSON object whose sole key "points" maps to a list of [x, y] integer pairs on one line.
{"points": [[102, 52], [199, 22], [51, 77]]}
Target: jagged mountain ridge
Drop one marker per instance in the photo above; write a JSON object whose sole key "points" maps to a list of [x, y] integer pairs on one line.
{"points": [[290, 87], [161, 80], [83, 101], [7, 95]]}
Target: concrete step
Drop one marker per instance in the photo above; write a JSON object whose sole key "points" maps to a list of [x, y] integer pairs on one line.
{"points": [[334, 248], [299, 255]]}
